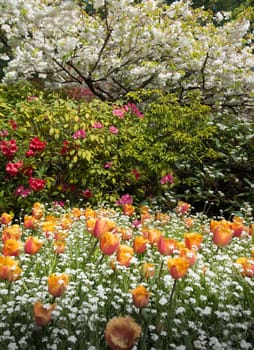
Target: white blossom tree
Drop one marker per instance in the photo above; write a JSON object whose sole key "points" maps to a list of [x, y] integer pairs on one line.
{"points": [[122, 46]]}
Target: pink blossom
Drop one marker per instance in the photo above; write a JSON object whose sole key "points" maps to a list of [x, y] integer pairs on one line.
{"points": [[136, 173], [13, 168], [87, 193], [36, 184], [21, 191], [4, 133], [125, 199], [108, 165], [167, 179], [80, 134], [113, 130], [97, 125], [135, 110], [119, 112]]}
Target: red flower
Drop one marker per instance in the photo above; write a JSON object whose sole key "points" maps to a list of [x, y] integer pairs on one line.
{"points": [[36, 184], [8, 148], [136, 174], [36, 145], [13, 168]]}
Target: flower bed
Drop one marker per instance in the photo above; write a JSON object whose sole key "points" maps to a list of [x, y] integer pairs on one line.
{"points": [[126, 278]]}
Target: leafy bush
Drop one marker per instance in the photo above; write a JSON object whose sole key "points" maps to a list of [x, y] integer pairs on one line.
{"points": [[74, 149]]}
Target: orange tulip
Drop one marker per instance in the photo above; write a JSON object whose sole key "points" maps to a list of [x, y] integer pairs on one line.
{"points": [[43, 313], [189, 255], [222, 235], [9, 269], [147, 270], [66, 222], [11, 247], [177, 267], [89, 213], [109, 243], [182, 207], [140, 296], [247, 265], [38, 210], [126, 233], [6, 218], [193, 240], [128, 209], [103, 225], [13, 232], [166, 246], [237, 226], [122, 333], [139, 244], [152, 234], [162, 218], [30, 222], [59, 246], [32, 245], [90, 224], [57, 284], [76, 213], [124, 255]]}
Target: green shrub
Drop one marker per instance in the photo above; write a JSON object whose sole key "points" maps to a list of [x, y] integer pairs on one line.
{"points": [[89, 150]]}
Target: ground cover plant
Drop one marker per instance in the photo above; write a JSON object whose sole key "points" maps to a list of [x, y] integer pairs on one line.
{"points": [[126, 277]]}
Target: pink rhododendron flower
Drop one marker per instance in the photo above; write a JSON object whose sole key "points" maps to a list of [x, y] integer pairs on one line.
{"points": [[119, 112], [22, 191], [125, 199], [4, 133], [36, 184], [108, 165], [80, 134], [13, 124], [97, 125], [13, 168], [135, 110], [136, 173], [8, 148], [87, 193], [36, 145], [113, 130], [167, 179]]}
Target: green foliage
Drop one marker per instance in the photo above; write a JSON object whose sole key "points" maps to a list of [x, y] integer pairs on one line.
{"points": [[98, 151]]}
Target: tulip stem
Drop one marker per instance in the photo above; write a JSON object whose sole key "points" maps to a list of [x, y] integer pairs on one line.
{"points": [[217, 250], [172, 293], [160, 271], [92, 250]]}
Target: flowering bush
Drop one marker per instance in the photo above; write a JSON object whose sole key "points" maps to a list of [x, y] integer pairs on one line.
{"points": [[188, 289]]}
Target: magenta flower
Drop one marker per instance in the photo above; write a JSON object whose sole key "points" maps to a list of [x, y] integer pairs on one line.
{"points": [[167, 179], [125, 199], [13, 168], [135, 110], [119, 112], [36, 184], [87, 193], [97, 125], [108, 165], [113, 130], [21, 191], [80, 134]]}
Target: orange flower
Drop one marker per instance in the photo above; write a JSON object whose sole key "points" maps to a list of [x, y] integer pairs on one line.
{"points": [[11, 247], [247, 265], [147, 270], [166, 246], [152, 234], [90, 224], [13, 231], [124, 255], [128, 209], [189, 255], [103, 225], [193, 240], [32, 245], [30, 222], [177, 267], [9, 269], [163, 218], [109, 243], [76, 212], [43, 313], [57, 284], [6, 218], [89, 213], [140, 296], [126, 233], [139, 244], [189, 222], [237, 226], [182, 207], [59, 247], [38, 210], [66, 222], [222, 234], [122, 333]]}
